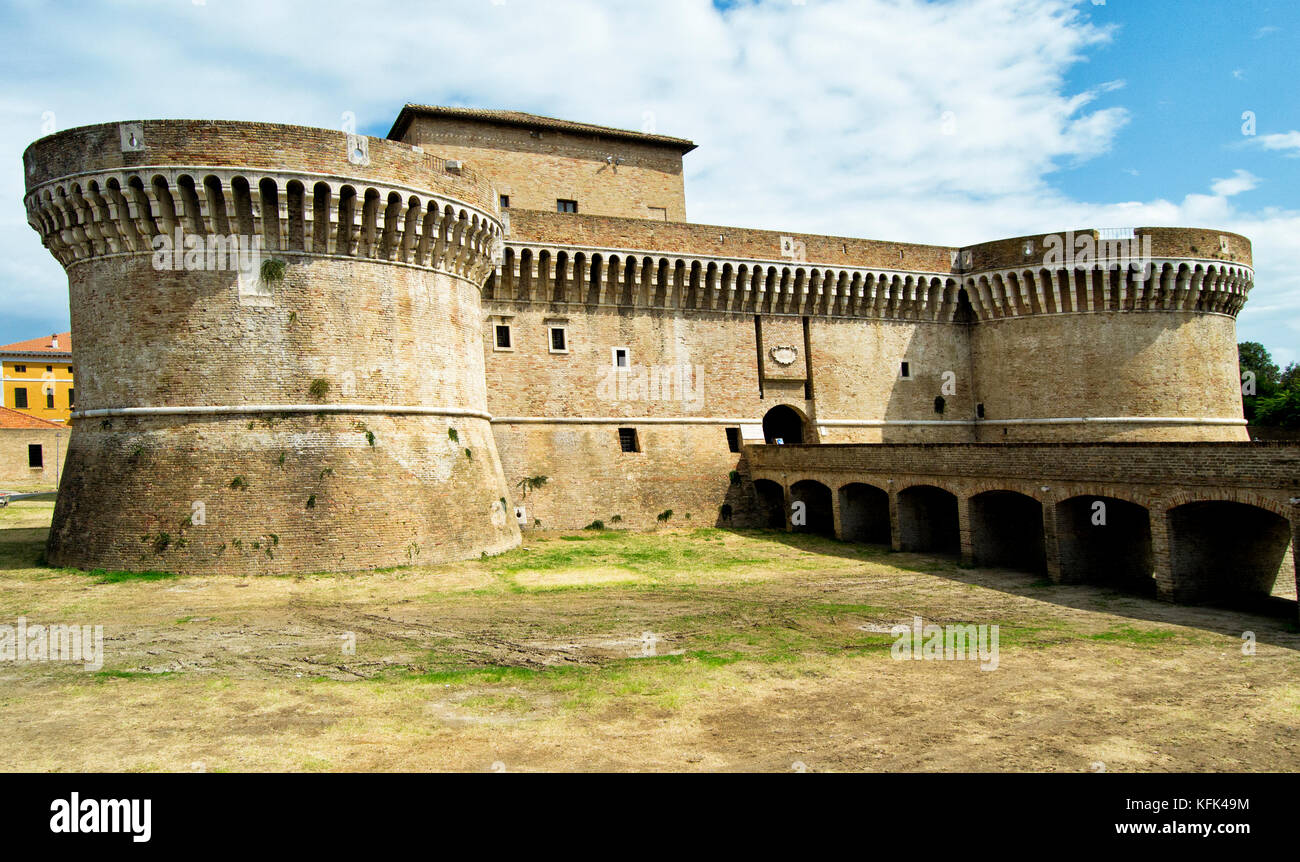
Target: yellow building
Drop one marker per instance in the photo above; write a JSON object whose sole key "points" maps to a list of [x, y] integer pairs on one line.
{"points": [[37, 377]]}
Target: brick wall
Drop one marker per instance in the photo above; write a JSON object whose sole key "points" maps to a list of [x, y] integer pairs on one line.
{"points": [[537, 167], [14, 466]]}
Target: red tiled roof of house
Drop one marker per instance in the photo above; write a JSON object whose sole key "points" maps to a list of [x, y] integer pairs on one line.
{"points": [[11, 419], [42, 345]]}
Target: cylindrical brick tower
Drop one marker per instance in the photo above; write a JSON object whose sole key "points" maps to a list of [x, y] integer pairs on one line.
{"points": [[323, 408], [1082, 336]]}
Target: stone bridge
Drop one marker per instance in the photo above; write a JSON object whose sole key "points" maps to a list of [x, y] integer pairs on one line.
{"points": [[1187, 522]]}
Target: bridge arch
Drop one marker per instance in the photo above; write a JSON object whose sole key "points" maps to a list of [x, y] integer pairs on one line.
{"points": [[1007, 530], [1228, 551], [1106, 544], [864, 513], [928, 520], [817, 515], [770, 499]]}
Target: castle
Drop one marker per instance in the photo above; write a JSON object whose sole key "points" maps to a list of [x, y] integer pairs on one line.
{"points": [[486, 298]]}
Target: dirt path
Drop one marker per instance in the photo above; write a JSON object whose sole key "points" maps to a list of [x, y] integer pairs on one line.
{"points": [[695, 650]]}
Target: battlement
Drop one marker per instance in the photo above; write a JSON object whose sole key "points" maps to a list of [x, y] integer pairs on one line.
{"points": [[599, 260], [391, 202]]}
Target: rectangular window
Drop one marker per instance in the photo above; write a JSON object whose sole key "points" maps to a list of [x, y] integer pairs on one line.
{"points": [[20, 369], [905, 371], [49, 368], [503, 341], [35, 455], [622, 358], [559, 340], [505, 202], [627, 440], [20, 398], [71, 398], [565, 206], [733, 439], [49, 399]]}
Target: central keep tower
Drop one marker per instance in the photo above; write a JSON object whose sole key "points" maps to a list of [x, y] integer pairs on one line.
{"points": [[323, 408]]}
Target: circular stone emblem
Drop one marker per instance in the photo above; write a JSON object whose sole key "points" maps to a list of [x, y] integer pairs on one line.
{"points": [[783, 355]]}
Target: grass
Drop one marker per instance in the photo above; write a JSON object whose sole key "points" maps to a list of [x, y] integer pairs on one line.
{"points": [[1127, 634], [103, 576]]}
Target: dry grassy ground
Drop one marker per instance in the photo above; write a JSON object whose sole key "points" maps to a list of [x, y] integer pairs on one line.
{"points": [[766, 653]]}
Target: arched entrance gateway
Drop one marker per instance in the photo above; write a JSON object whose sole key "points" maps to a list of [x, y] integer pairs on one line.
{"points": [[785, 425]]}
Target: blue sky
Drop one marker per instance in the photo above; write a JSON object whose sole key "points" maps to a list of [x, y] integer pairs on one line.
{"points": [[948, 122]]}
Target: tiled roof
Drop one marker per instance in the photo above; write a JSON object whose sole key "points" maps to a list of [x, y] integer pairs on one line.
{"points": [[530, 121], [10, 418], [41, 345]]}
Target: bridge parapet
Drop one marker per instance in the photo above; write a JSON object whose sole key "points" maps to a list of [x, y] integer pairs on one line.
{"points": [[1257, 465]]}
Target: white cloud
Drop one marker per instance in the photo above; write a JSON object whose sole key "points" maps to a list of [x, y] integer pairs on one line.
{"points": [[825, 117], [1284, 141], [1240, 181]]}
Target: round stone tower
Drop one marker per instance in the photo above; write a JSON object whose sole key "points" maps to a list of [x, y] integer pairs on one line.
{"points": [[279, 350], [1123, 335]]}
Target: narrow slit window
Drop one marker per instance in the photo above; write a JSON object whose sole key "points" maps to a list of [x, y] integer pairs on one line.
{"points": [[905, 371], [627, 440]]}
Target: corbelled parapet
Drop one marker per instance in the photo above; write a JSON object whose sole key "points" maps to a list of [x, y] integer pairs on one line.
{"points": [[279, 349], [1137, 269]]}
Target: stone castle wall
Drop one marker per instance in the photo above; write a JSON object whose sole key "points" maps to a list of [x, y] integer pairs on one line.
{"points": [[202, 386]]}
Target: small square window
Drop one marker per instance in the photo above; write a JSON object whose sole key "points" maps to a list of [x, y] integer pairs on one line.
{"points": [[35, 455], [622, 357], [505, 202], [627, 440], [905, 371], [733, 439], [566, 206], [20, 397], [49, 368], [559, 339], [503, 340]]}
